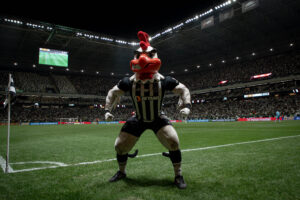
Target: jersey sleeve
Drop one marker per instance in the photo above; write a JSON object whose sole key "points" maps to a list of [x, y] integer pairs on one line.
{"points": [[124, 84], [170, 83]]}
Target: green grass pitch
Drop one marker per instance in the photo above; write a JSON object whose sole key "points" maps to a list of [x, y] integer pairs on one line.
{"points": [[262, 169], [46, 58]]}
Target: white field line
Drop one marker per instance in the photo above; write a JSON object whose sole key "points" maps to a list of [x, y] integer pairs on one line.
{"points": [[39, 162], [3, 165], [59, 164]]}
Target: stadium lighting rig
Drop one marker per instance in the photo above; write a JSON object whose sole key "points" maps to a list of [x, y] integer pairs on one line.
{"points": [[27, 24], [198, 16], [155, 36], [166, 31], [91, 36], [121, 41], [83, 34], [133, 43], [37, 26], [226, 4], [177, 26], [13, 21], [191, 19], [206, 13], [34, 25], [106, 39]]}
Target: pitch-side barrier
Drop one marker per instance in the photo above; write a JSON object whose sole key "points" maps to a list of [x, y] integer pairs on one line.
{"points": [[248, 119]]}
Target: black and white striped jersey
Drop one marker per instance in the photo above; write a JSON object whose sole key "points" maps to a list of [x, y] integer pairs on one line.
{"points": [[147, 96]]}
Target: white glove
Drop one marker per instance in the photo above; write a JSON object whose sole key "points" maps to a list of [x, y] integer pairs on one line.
{"points": [[180, 103], [185, 112], [108, 116]]}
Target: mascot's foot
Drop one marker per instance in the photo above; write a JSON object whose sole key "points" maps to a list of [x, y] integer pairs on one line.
{"points": [[118, 176], [179, 182]]}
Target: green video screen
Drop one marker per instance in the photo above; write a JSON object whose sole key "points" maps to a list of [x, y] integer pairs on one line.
{"points": [[53, 57]]}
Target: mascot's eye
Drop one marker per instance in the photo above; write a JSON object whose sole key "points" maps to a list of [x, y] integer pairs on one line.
{"points": [[136, 56], [152, 53]]}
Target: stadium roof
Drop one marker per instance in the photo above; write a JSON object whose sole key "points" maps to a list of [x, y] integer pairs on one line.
{"points": [[118, 19], [184, 44]]}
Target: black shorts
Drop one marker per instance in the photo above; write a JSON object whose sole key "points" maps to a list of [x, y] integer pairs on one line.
{"points": [[136, 127]]}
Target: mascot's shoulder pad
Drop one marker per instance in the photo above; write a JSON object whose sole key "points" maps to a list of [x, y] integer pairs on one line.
{"points": [[124, 84]]}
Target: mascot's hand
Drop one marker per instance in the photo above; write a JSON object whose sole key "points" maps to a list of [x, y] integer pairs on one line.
{"points": [[108, 116], [185, 112]]}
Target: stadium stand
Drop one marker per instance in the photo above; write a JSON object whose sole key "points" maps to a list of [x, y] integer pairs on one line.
{"points": [[64, 85], [45, 93], [95, 85], [279, 65], [207, 95], [33, 82]]}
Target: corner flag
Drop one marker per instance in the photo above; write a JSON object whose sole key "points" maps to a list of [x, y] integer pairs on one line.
{"points": [[11, 90], [10, 97]]}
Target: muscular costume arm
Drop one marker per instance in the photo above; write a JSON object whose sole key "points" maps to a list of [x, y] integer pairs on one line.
{"points": [[184, 95], [113, 98]]}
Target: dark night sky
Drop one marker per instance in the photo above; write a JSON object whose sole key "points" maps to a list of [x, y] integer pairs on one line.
{"points": [[120, 19]]}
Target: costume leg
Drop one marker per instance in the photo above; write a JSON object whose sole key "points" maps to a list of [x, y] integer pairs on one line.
{"points": [[167, 135], [124, 143]]}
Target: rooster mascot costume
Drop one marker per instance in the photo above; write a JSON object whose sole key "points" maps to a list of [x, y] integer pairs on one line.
{"points": [[147, 88]]}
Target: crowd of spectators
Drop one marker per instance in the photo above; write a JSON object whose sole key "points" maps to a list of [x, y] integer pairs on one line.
{"points": [[96, 85], [236, 108], [210, 105], [64, 85], [209, 109], [21, 113], [32, 82], [279, 65]]}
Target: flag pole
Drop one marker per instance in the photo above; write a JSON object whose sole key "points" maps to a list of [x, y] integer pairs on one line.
{"points": [[8, 131]]}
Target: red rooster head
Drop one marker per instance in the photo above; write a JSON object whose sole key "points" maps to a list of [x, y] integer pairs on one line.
{"points": [[145, 62]]}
